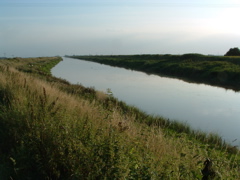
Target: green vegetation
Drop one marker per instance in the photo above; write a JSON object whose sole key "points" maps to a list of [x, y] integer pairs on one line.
{"points": [[51, 129], [233, 52], [223, 71]]}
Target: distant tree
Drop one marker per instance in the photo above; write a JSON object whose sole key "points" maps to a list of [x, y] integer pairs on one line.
{"points": [[233, 52]]}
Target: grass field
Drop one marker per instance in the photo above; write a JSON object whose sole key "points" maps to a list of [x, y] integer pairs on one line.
{"points": [[220, 71], [51, 129]]}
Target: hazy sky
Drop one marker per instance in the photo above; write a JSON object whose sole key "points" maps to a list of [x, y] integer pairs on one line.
{"points": [[59, 27]]}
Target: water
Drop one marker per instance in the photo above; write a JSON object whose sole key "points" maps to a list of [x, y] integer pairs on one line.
{"points": [[203, 107]]}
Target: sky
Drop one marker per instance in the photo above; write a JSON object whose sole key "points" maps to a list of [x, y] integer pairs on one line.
{"points": [[33, 28]]}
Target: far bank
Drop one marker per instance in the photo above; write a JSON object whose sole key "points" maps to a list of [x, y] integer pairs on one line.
{"points": [[218, 71]]}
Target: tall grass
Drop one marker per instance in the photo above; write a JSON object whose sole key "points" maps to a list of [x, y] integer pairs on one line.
{"points": [[50, 129]]}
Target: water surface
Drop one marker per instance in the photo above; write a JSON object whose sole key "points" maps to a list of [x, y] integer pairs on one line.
{"points": [[203, 107]]}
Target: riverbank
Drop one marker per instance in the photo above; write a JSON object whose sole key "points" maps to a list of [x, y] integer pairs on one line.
{"points": [[219, 71], [53, 129]]}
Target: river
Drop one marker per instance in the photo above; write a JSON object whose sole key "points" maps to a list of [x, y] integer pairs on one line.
{"points": [[203, 107]]}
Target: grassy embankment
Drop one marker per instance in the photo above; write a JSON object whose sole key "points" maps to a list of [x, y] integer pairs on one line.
{"points": [[214, 70], [51, 129]]}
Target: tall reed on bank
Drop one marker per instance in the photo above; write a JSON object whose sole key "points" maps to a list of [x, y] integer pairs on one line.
{"points": [[50, 129]]}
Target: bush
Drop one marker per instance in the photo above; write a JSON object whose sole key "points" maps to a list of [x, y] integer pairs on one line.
{"points": [[233, 52]]}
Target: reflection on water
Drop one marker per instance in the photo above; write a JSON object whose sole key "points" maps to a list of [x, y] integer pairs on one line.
{"points": [[203, 107]]}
